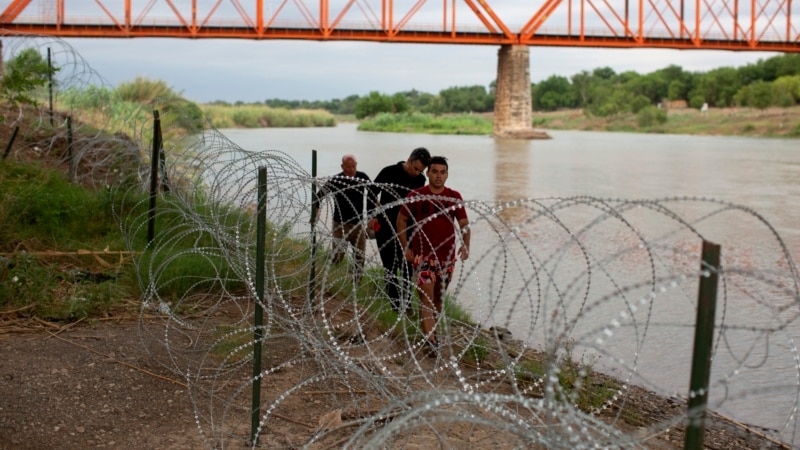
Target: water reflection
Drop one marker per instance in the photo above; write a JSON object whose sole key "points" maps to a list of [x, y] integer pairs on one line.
{"points": [[512, 160]]}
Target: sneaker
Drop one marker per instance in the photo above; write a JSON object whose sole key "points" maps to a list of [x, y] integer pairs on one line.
{"points": [[432, 348]]}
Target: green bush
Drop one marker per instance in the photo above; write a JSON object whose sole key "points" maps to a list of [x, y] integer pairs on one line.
{"points": [[261, 116], [41, 203], [650, 116], [425, 123], [639, 103], [24, 75], [146, 91]]}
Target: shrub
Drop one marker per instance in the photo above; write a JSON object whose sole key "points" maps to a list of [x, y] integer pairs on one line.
{"points": [[41, 203], [24, 75], [650, 116]]}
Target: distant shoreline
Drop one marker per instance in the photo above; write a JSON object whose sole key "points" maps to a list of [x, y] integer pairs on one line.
{"points": [[746, 122]]}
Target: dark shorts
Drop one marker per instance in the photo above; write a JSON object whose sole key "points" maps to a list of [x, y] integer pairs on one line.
{"points": [[429, 270]]}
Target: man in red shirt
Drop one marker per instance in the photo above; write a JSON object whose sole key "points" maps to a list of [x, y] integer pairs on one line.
{"points": [[434, 209]]}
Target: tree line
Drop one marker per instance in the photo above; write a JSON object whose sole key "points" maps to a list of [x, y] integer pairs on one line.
{"points": [[601, 92], [451, 100]]}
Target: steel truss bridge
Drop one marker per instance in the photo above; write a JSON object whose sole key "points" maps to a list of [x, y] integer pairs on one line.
{"points": [[757, 25]]}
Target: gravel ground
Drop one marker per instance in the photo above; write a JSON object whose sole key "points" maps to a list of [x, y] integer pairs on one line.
{"points": [[95, 386], [89, 387]]}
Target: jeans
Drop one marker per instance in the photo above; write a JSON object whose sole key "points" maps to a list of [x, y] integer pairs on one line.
{"points": [[346, 235]]}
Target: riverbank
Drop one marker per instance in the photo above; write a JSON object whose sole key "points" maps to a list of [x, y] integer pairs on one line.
{"points": [[750, 122], [768, 123]]}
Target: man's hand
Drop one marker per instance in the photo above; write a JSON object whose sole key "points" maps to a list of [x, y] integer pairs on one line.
{"points": [[463, 252], [409, 255]]}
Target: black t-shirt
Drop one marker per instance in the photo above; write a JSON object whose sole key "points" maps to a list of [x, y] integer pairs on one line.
{"points": [[348, 196], [393, 184]]}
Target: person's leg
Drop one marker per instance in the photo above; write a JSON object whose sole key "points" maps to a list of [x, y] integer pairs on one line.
{"points": [[439, 288], [442, 276], [338, 243], [391, 258], [427, 309], [405, 286], [425, 277], [358, 240]]}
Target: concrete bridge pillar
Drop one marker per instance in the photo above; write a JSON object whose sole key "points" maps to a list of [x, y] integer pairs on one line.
{"points": [[512, 104]]}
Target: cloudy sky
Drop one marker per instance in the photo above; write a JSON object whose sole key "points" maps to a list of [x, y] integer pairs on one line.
{"points": [[248, 70], [212, 69]]}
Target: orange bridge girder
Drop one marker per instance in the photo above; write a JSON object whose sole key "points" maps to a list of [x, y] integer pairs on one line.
{"points": [[758, 25]]}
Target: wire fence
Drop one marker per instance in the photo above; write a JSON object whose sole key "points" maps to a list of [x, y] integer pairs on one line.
{"points": [[567, 310], [569, 326]]}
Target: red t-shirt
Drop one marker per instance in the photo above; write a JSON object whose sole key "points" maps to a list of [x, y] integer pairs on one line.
{"points": [[433, 233]]}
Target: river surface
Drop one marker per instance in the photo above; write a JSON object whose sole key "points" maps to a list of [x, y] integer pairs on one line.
{"points": [[757, 367]]}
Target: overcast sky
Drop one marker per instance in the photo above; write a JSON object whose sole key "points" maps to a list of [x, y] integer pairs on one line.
{"points": [[213, 69]]}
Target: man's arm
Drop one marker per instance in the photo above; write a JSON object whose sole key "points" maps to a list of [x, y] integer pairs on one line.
{"points": [[369, 193], [373, 191], [463, 224], [374, 198], [402, 234]]}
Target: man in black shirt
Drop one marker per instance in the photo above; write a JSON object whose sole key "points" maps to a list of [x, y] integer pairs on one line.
{"points": [[348, 188], [392, 185]]}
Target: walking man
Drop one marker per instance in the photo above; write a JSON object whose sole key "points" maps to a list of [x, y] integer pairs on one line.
{"points": [[348, 189], [435, 209], [392, 184]]}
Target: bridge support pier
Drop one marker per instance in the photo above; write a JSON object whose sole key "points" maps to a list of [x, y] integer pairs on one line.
{"points": [[512, 104]]}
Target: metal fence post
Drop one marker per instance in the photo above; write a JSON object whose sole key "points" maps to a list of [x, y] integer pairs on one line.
{"points": [[50, 83], [314, 206], [703, 342], [154, 159], [258, 332], [73, 169], [11, 142]]}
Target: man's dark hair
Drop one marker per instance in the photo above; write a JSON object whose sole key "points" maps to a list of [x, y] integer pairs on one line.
{"points": [[438, 160], [420, 154]]}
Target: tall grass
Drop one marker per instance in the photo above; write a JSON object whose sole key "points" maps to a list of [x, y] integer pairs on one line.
{"points": [[44, 215], [129, 109], [42, 209], [425, 123], [262, 116], [143, 90], [56, 236]]}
